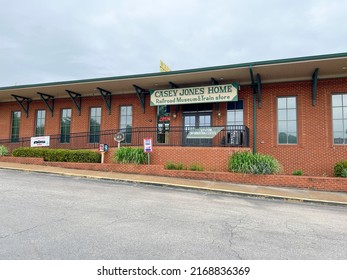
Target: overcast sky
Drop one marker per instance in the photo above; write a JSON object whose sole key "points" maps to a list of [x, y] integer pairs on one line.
{"points": [[58, 40]]}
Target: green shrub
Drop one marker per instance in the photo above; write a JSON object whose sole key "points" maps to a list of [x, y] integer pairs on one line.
{"points": [[30, 152], [196, 167], [3, 151], [344, 173], [170, 166], [179, 166], [246, 162], [130, 155], [298, 172], [339, 169], [60, 155]]}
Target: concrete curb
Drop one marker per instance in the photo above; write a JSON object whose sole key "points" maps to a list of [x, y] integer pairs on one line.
{"points": [[185, 186]]}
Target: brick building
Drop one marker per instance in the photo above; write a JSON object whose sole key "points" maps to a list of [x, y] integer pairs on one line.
{"points": [[294, 109]]}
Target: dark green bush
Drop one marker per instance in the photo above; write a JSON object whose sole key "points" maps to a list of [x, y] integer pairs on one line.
{"points": [[130, 155], [298, 172], [59, 154], [174, 166], [246, 162], [340, 169], [196, 167], [170, 166], [179, 166], [30, 152]]}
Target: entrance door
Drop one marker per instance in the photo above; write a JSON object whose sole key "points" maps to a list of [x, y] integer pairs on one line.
{"points": [[196, 120]]}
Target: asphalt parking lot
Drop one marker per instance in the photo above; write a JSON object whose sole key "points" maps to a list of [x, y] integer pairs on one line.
{"points": [[55, 217]]}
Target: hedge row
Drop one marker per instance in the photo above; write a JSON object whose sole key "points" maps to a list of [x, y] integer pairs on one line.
{"points": [[59, 154]]}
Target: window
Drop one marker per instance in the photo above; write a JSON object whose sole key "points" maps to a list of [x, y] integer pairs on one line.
{"points": [[339, 110], [235, 113], [287, 131], [94, 125], [15, 124], [126, 121], [40, 123], [65, 124]]}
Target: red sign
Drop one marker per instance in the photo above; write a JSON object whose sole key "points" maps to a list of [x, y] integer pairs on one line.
{"points": [[164, 119]]}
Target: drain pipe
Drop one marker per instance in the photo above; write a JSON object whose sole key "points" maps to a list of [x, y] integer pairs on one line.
{"points": [[254, 110], [254, 123]]}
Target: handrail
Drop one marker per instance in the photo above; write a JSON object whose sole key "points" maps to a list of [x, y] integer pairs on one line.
{"points": [[231, 135]]}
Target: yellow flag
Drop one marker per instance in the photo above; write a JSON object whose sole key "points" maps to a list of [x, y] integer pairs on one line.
{"points": [[164, 67]]}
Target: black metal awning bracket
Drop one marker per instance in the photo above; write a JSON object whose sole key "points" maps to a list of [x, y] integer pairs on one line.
{"points": [[314, 87], [106, 96], [173, 85], [20, 100], [141, 94], [256, 86], [76, 99], [214, 82], [252, 80], [48, 100]]}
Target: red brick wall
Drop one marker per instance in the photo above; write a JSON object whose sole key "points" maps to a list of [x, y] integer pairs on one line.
{"points": [[24, 160], [316, 183], [212, 159], [79, 123], [315, 153]]}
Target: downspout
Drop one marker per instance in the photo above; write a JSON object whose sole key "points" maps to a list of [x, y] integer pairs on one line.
{"points": [[254, 123], [254, 111]]}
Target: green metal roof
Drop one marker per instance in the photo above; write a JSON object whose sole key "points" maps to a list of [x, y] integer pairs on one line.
{"points": [[187, 71]]}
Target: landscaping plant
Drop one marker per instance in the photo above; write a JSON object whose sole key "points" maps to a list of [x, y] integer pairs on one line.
{"points": [[3, 151], [60, 155], [130, 155], [170, 166], [340, 169], [246, 162], [298, 172], [196, 167]]}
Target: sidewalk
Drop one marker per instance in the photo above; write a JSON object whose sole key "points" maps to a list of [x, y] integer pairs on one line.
{"points": [[292, 194]]}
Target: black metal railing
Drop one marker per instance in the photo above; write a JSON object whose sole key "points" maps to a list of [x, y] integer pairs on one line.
{"points": [[232, 135]]}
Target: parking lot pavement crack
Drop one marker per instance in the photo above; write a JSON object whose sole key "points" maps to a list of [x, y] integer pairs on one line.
{"points": [[31, 228], [232, 229]]}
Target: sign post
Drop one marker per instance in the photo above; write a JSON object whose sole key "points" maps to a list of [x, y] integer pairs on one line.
{"points": [[119, 137], [103, 148], [147, 147]]}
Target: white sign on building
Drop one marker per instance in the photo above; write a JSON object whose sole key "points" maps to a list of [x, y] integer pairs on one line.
{"points": [[204, 94], [40, 141]]}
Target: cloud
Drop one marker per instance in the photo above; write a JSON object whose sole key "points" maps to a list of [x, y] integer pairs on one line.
{"points": [[44, 41]]}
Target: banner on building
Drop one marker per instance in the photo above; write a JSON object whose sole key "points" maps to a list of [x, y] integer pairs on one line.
{"points": [[40, 141], [191, 95], [204, 132]]}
